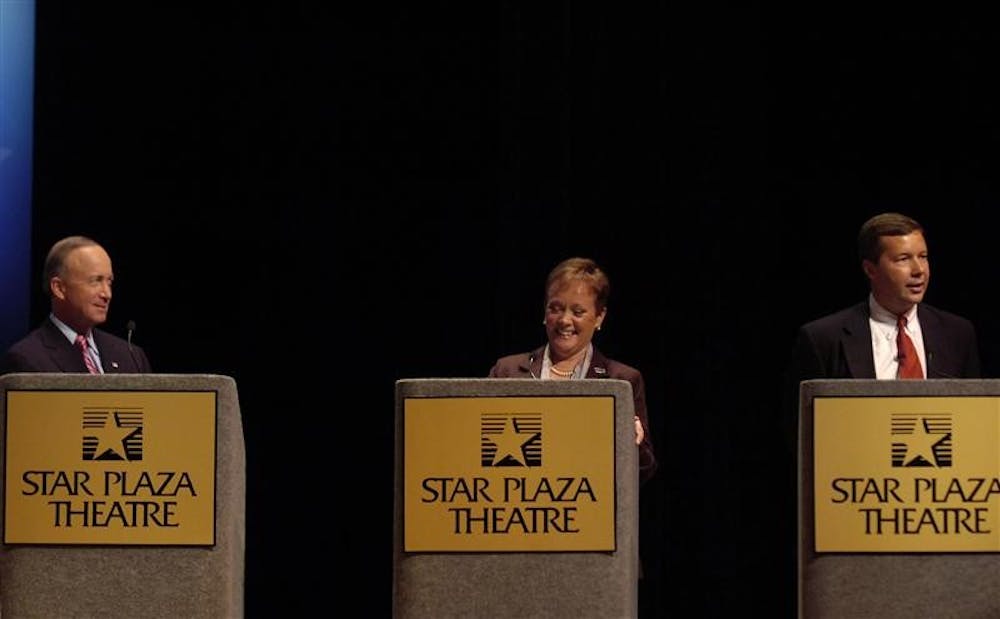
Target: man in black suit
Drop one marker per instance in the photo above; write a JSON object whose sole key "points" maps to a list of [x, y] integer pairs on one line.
{"points": [[78, 279], [861, 341], [866, 340]]}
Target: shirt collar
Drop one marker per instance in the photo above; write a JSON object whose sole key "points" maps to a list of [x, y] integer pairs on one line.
{"points": [[881, 315], [70, 333]]}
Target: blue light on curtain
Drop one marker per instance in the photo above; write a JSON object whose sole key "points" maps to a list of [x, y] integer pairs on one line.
{"points": [[17, 43]]}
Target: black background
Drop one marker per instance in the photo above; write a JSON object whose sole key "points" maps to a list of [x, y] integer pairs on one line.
{"points": [[318, 201]]}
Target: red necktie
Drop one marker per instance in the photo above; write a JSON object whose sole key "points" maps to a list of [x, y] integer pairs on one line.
{"points": [[81, 343], [909, 362]]}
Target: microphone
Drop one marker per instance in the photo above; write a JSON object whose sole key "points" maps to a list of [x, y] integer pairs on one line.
{"points": [[531, 359], [130, 329]]}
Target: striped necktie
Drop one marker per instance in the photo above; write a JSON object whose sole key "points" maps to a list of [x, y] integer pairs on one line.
{"points": [[83, 345]]}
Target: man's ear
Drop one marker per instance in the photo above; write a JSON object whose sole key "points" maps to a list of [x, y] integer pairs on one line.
{"points": [[57, 288], [869, 268]]}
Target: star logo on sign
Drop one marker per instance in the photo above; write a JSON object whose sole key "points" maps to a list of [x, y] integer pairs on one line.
{"points": [[920, 446], [510, 444], [111, 442]]}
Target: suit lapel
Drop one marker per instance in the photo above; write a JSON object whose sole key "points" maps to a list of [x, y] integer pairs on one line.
{"points": [[66, 357], [935, 343], [857, 344], [532, 365], [598, 366], [110, 353]]}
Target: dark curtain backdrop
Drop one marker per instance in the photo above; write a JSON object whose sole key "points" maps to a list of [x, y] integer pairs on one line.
{"points": [[319, 201]]}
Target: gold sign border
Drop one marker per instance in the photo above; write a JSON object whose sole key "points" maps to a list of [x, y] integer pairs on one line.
{"points": [[955, 405], [522, 549], [112, 392]]}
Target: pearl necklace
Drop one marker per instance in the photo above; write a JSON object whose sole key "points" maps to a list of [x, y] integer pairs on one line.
{"points": [[562, 373]]}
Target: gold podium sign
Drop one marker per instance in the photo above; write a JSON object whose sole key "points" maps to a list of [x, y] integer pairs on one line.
{"points": [[110, 468], [907, 474], [496, 474]]}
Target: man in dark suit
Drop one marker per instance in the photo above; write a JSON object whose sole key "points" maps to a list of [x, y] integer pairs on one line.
{"points": [[78, 279], [871, 339], [864, 340]]}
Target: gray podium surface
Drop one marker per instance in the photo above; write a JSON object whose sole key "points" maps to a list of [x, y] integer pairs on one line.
{"points": [[127, 581], [524, 584], [888, 585]]}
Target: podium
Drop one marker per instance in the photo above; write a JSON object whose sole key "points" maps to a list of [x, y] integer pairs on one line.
{"points": [[515, 498], [123, 496], [899, 498]]}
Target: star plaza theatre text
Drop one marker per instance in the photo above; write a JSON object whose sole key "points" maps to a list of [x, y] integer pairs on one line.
{"points": [[152, 505], [937, 515], [541, 505]]}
